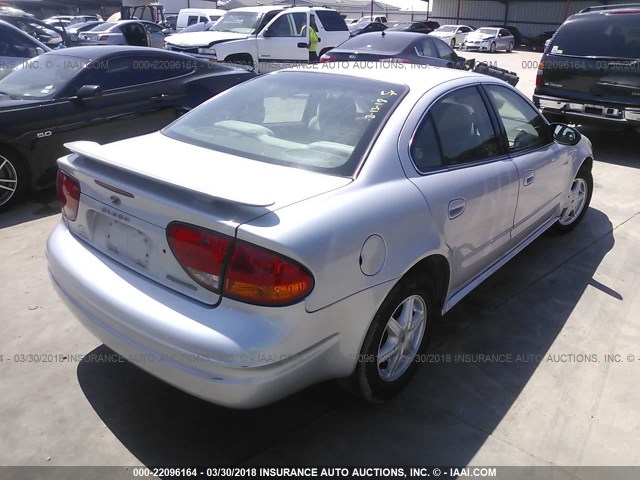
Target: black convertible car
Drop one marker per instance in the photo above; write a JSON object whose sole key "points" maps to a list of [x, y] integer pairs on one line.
{"points": [[101, 94]]}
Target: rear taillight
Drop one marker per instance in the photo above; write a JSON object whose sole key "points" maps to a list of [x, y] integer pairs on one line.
{"points": [[539, 74], [68, 195], [252, 274], [260, 276], [201, 253], [326, 58]]}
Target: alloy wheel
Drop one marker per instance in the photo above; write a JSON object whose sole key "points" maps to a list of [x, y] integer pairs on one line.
{"points": [[576, 201], [8, 180], [402, 338]]}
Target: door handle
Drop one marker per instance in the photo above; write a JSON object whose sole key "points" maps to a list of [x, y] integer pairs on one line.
{"points": [[157, 98], [529, 176], [303, 45], [456, 208]]}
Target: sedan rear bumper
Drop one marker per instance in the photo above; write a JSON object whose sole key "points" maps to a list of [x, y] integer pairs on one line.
{"points": [[231, 355]]}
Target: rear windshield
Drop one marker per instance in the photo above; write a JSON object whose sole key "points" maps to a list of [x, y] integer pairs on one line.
{"points": [[102, 27], [600, 35], [309, 120], [375, 42], [332, 21]]}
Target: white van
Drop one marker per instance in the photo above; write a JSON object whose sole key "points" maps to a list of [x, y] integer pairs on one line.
{"points": [[190, 16]]}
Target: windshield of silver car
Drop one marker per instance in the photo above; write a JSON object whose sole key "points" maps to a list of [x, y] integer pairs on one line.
{"points": [[310, 120]]}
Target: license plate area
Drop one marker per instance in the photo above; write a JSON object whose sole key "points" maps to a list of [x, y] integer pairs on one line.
{"points": [[124, 241]]}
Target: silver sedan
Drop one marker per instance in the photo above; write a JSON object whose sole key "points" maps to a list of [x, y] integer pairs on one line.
{"points": [[307, 225], [489, 39], [139, 33]]}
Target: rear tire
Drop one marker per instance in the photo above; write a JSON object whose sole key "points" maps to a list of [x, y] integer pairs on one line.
{"points": [[14, 178], [579, 200], [399, 332]]}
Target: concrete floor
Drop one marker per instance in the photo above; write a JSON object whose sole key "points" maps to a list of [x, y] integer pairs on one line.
{"points": [[560, 302]]}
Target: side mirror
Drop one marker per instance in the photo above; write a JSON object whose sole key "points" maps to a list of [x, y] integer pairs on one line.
{"points": [[88, 91], [565, 135], [267, 33]]}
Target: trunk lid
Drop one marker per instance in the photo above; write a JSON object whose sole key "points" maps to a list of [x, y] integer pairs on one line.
{"points": [[132, 189]]}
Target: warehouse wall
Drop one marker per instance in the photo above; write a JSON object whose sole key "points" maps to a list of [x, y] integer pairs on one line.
{"points": [[531, 18]]}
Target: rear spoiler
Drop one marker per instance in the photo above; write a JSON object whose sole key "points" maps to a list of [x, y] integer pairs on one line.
{"points": [[96, 152]]}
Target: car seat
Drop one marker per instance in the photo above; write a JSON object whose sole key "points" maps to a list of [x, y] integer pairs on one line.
{"points": [[335, 121]]}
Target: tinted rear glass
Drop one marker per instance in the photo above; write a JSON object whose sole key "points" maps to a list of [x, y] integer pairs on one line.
{"points": [[332, 21], [375, 42], [314, 121], [599, 35]]}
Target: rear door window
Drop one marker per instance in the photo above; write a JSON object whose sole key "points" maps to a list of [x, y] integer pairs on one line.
{"points": [[331, 21], [457, 130]]}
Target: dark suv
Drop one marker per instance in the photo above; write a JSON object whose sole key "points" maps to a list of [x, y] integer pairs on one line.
{"points": [[590, 72]]}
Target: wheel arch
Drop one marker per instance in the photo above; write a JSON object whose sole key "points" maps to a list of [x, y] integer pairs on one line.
{"points": [[436, 268]]}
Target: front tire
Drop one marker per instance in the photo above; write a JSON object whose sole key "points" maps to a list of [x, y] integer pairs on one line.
{"points": [[578, 202], [399, 332], [510, 47], [492, 49], [13, 178], [453, 43]]}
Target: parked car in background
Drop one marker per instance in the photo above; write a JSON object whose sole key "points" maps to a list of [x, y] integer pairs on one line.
{"points": [[414, 26], [138, 33], [71, 19], [171, 21], [454, 35], [191, 16], [198, 27], [16, 46], [74, 30], [235, 255], [519, 40], [590, 72], [100, 93], [537, 43], [264, 38], [51, 36], [404, 47], [360, 28], [489, 39]]}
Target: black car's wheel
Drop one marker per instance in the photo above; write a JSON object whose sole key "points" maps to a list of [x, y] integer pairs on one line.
{"points": [[493, 47], [453, 43], [13, 178], [577, 202], [398, 334], [510, 47]]}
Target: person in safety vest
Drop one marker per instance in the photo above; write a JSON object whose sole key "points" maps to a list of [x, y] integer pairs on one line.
{"points": [[313, 39]]}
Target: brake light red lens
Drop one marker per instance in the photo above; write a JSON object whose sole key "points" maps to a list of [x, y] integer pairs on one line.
{"points": [[252, 275], [325, 58], [68, 195], [260, 276], [539, 74], [201, 253]]}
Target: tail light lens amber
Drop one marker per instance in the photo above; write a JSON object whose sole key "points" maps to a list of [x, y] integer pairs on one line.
{"points": [[237, 269]]}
